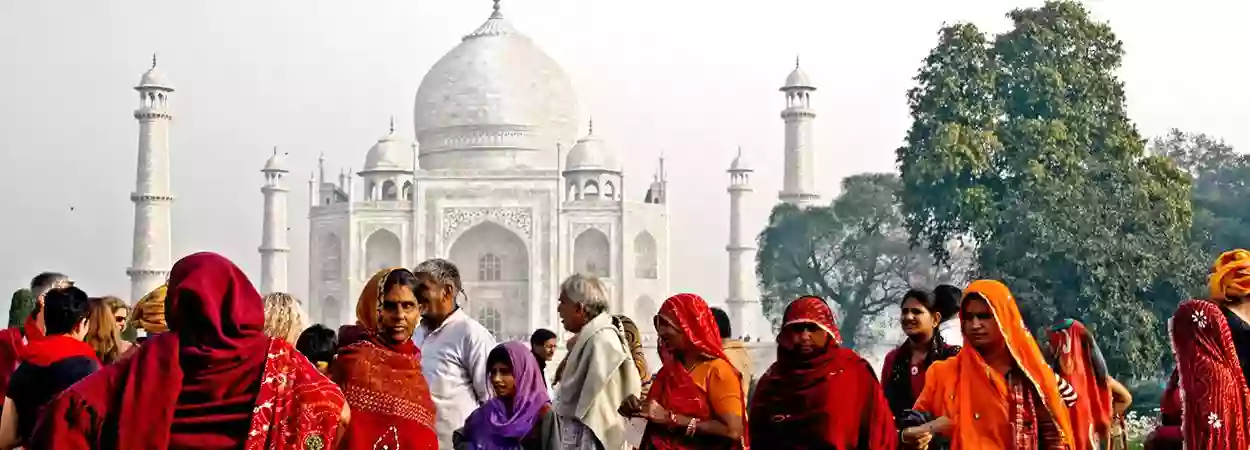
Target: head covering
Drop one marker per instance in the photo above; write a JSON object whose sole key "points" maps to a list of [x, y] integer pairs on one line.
{"points": [[20, 306], [634, 339], [1078, 360], [500, 423], [1230, 275], [957, 387], [370, 300], [831, 397], [209, 366], [149, 311], [1215, 405], [673, 388]]}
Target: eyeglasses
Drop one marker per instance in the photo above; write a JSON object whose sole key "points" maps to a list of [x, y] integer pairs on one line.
{"points": [[120, 320]]}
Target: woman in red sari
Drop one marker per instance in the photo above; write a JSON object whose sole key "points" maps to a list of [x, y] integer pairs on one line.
{"points": [[696, 399], [819, 395], [1215, 405], [380, 372], [215, 381]]}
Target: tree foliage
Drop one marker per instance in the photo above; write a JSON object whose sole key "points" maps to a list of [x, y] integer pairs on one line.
{"points": [[1221, 189], [1022, 144], [854, 253]]}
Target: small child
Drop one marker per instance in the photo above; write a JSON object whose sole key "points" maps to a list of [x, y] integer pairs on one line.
{"points": [[317, 343]]}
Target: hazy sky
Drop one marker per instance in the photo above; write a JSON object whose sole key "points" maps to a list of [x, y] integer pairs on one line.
{"points": [[692, 78]]}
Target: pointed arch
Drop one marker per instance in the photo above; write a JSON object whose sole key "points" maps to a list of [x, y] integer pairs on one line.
{"points": [[646, 260], [609, 190], [591, 189], [382, 250], [407, 190], [592, 253], [389, 191]]}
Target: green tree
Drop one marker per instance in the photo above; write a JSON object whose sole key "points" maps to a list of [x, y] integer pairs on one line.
{"points": [[1022, 145], [854, 253], [1221, 189]]}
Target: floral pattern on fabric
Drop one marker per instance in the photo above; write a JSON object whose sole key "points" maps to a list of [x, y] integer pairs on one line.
{"points": [[297, 408], [1215, 403]]}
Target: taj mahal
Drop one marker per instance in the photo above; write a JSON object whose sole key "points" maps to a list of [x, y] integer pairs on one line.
{"points": [[505, 177]]}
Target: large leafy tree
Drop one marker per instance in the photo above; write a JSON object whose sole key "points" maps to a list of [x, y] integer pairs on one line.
{"points": [[854, 253], [1221, 189], [1021, 143]]}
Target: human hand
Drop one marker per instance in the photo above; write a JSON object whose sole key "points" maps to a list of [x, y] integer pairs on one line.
{"points": [[653, 412], [915, 435], [631, 406]]}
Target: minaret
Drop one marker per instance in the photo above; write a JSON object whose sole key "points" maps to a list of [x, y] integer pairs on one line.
{"points": [[273, 243], [800, 179], [745, 312], [151, 258]]}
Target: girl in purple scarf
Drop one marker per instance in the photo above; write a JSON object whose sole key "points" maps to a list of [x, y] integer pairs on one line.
{"points": [[519, 417]]}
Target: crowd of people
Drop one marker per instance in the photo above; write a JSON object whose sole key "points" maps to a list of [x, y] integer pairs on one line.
{"points": [[221, 367]]}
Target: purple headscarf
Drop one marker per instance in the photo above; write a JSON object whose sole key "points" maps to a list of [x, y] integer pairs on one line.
{"points": [[494, 426]]}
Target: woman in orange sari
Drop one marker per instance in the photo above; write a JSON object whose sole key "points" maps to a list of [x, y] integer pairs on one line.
{"points": [[696, 399], [381, 373], [998, 393], [819, 395]]}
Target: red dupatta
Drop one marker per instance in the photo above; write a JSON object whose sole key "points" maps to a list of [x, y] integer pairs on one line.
{"points": [[674, 389], [199, 385], [1074, 351], [831, 399], [1215, 404], [390, 399]]}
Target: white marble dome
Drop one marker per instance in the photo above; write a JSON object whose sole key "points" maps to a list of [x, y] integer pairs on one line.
{"points": [[591, 153], [495, 101], [275, 163], [798, 79], [390, 154], [154, 78]]}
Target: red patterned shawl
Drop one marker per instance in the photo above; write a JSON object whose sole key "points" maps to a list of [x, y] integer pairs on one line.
{"points": [[828, 400], [672, 386], [1074, 351], [1215, 406]]}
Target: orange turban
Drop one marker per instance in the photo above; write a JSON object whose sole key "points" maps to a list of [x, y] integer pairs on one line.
{"points": [[1230, 276]]}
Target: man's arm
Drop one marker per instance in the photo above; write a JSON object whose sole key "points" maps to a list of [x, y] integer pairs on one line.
{"points": [[479, 344]]}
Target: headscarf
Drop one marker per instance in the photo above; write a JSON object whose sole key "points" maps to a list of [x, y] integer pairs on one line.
{"points": [[369, 308], [500, 424], [962, 389], [196, 385], [1079, 361], [149, 311], [633, 338], [1213, 388], [830, 399], [1230, 276], [20, 306], [672, 387]]}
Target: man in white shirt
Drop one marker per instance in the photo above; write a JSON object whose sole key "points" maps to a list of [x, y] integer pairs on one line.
{"points": [[597, 374], [453, 348]]}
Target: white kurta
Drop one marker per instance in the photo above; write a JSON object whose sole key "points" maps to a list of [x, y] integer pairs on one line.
{"points": [[453, 359]]}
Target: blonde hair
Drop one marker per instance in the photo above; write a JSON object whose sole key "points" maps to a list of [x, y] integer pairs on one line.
{"points": [[284, 317], [102, 333]]}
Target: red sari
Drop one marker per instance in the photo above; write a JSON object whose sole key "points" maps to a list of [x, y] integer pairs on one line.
{"points": [[675, 390], [827, 400], [384, 385], [1215, 402], [1079, 362], [215, 381], [13, 343]]}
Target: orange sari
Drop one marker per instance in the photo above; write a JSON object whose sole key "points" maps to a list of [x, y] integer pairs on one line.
{"points": [[965, 389]]}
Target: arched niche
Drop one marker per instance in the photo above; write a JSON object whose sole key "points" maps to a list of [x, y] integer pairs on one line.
{"points": [[382, 250], [646, 261], [494, 266], [389, 191], [645, 307], [592, 253]]}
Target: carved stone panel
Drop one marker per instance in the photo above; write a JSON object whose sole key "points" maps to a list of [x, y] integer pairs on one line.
{"points": [[516, 218]]}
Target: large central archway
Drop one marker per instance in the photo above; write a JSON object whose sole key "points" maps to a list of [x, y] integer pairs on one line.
{"points": [[382, 250], [494, 266], [591, 253]]}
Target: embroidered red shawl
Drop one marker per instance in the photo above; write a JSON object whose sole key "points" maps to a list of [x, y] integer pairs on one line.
{"points": [[1215, 403], [828, 400], [673, 388]]}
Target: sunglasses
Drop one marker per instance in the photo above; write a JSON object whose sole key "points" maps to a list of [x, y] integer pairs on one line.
{"points": [[120, 320]]}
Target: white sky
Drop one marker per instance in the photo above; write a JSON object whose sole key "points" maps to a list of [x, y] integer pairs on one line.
{"points": [[693, 78]]}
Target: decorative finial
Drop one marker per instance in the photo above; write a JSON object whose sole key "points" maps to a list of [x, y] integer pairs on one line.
{"points": [[275, 150], [592, 126], [796, 61], [392, 124], [739, 151], [322, 158], [153, 60], [496, 14]]}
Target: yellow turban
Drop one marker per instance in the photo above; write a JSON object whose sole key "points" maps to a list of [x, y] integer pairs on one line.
{"points": [[1230, 276], [149, 312]]}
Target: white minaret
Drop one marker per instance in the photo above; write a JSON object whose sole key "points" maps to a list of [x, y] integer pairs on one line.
{"points": [[745, 312], [799, 187], [273, 244], [151, 259]]}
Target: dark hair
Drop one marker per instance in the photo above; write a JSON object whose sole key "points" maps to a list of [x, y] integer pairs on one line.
{"points": [[541, 336], [399, 277], [500, 354], [317, 343], [947, 299], [63, 309], [722, 322]]}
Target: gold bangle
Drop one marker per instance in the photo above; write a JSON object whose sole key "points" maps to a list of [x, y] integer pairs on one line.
{"points": [[690, 426]]}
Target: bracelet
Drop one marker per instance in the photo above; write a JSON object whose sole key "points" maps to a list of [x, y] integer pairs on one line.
{"points": [[672, 417], [690, 426]]}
